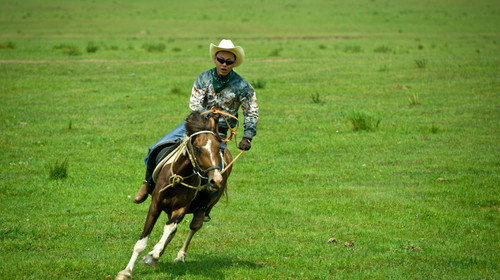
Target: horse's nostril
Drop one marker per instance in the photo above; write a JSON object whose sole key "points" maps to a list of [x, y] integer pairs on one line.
{"points": [[212, 182]]}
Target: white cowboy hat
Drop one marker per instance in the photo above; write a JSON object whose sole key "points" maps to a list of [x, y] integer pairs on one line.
{"points": [[227, 46]]}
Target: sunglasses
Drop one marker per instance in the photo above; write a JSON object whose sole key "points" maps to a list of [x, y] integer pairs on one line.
{"points": [[222, 61]]}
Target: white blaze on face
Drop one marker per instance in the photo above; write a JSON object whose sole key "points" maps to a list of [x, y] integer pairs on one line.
{"points": [[207, 148], [217, 176]]}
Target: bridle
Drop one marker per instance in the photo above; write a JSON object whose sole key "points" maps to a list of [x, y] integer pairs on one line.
{"points": [[202, 173], [188, 143], [231, 129], [176, 179]]}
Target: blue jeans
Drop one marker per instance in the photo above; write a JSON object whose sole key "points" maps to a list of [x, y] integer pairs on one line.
{"points": [[176, 134]]}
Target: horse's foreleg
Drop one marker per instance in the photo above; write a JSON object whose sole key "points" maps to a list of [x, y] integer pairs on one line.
{"points": [[168, 234], [140, 245], [152, 257], [138, 249], [195, 225]]}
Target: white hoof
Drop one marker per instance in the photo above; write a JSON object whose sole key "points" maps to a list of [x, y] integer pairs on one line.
{"points": [[180, 258], [149, 260], [124, 274]]}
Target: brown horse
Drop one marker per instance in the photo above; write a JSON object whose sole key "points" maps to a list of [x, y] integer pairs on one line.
{"points": [[190, 182]]}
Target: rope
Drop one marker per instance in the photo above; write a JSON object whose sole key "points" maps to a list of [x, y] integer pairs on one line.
{"points": [[224, 114], [231, 163], [176, 179], [232, 131]]}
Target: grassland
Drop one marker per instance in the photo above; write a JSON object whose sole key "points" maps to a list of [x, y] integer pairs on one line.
{"points": [[94, 84]]}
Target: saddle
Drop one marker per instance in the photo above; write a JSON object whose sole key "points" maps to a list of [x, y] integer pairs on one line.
{"points": [[160, 152], [165, 152]]}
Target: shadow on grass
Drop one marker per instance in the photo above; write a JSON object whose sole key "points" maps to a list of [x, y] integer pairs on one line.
{"points": [[211, 267]]}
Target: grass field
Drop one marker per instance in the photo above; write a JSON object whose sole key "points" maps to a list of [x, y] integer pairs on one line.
{"points": [[379, 128]]}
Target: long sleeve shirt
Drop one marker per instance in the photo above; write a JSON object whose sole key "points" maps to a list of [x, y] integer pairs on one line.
{"points": [[237, 93]]}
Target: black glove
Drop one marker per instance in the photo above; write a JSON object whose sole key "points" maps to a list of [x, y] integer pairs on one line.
{"points": [[245, 144]]}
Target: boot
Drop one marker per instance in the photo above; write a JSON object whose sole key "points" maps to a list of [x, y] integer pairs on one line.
{"points": [[145, 189], [142, 194]]}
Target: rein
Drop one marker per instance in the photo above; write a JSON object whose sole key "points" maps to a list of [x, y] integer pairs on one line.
{"points": [[232, 131], [231, 163], [224, 114]]}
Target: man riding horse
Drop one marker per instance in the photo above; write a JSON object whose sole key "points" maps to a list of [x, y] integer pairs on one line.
{"points": [[220, 88]]}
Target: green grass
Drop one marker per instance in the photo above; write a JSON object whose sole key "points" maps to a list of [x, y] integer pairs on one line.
{"points": [[414, 99], [418, 196], [364, 121], [58, 170]]}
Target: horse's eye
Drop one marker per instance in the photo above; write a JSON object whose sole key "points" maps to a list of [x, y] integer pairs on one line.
{"points": [[198, 150]]}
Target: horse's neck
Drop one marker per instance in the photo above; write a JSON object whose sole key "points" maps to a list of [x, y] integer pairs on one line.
{"points": [[182, 166]]}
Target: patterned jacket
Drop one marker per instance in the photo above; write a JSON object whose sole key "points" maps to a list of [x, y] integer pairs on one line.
{"points": [[238, 93]]}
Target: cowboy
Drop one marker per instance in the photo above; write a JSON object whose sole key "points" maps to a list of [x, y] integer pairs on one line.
{"points": [[219, 87]]}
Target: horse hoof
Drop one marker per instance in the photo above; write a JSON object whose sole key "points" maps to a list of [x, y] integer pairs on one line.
{"points": [[124, 274], [149, 260], [180, 259]]}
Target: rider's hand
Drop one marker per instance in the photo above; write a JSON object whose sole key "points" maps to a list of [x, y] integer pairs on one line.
{"points": [[245, 144]]}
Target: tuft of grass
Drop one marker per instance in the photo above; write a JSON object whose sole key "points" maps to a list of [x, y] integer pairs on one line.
{"points": [[92, 47], [176, 90], [69, 49], [70, 123], [421, 63], [434, 129], [275, 52], [383, 49], [414, 99], [73, 51], [154, 47], [258, 84], [384, 68], [363, 121], [7, 45], [316, 98], [58, 170], [353, 49], [176, 49]]}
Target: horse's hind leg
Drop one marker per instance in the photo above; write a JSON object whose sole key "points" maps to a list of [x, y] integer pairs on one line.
{"points": [[196, 224], [169, 231]]}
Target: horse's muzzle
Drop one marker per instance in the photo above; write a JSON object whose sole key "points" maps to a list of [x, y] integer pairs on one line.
{"points": [[214, 181], [213, 188]]}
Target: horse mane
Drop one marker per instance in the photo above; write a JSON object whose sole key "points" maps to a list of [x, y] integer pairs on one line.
{"points": [[195, 122]]}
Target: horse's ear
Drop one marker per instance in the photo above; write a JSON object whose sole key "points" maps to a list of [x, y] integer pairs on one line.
{"points": [[215, 118], [191, 120], [194, 117]]}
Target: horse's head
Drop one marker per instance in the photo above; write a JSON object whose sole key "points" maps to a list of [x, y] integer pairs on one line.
{"points": [[204, 148]]}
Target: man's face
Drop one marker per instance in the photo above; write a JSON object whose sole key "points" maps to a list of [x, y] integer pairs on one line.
{"points": [[223, 68]]}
